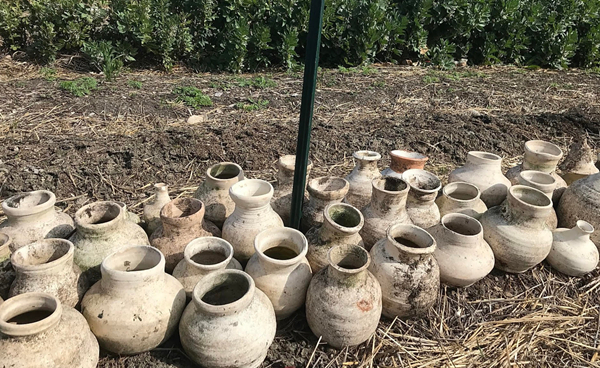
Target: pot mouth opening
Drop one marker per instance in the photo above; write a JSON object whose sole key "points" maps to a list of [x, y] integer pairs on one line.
{"points": [[538, 177], [4, 240], [348, 259], [30, 202], [344, 215], [462, 224], [410, 238], [585, 226], [29, 314], [181, 208], [485, 156], [410, 155], [253, 188], [327, 184], [530, 196], [284, 246], [161, 187], [224, 171], [461, 191], [133, 259], [223, 288], [543, 148], [367, 155], [98, 213], [390, 184], [422, 180], [43, 252], [209, 252]]}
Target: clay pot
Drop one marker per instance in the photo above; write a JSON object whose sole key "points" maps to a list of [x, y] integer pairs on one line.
{"points": [[135, 306], [202, 257], [322, 192], [361, 178], [461, 197], [544, 183], [229, 323], [182, 220], [402, 160], [5, 243], [280, 269], [282, 190], [152, 209], [462, 254], [31, 216], [409, 275], [579, 163], [130, 216], [420, 205], [388, 205], [214, 191], [343, 302], [517, 230], [46, 266], [341, 225], [573, 253], [252, 214], [36, 331], [581, 201]]}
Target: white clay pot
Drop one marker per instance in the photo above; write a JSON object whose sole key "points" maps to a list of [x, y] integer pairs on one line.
{"points": [[152, 209], [544, 183], [281, 200], [361, 178], [322, 192], [420, 205], [461, 197], [573, 253]]}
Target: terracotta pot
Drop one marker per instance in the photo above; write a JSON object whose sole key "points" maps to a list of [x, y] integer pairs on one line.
{"points": [[461, 197], [361, 177], [341, 225], [202, 257], [152, 209], [463, 255], [282, 190], [402, 160], [36, 331], [579, 163], [322, 192], [573, 253], [404, 265], [130, 216], [388, 205], [420, 205], [581, 201], [484, 170], [252, 214], [229, 323], [544, 183], [101, 230], [31, 216], [182, 220], [5, 244], [343, 302], [136, 306], [46, 266], [214, 191], [517, 230], [280, 269]]}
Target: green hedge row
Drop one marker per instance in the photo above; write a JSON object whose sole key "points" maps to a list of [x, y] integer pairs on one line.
{"points": [[239, 35]]}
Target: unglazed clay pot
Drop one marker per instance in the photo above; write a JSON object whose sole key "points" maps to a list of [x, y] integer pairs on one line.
{"points": [[484, 170], [182, 220], [280, 269], [229, 323], [361, 178], [36, 331], [461, 197], [5, 244], [152, 209], [214, 191], [581, 201], [130, 216], [32, 216], [202, 257], [252, 214], [579, 163], [282, 191], [388, 205], [573, 253], [463, 255], [402, 160], [544, 183], [136, 306], [322, 192], [341, 225], [46, 266], [102, 229], [517, 230], [409, 275], [343, 302], [420, 205]]}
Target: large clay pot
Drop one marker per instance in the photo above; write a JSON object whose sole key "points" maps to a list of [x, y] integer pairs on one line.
{"points": [[282, 190], [573, 253], [388, 205], [517, 230], [102, 229], [36, 331], [280, 269], [361, 178], [581, 201], [343, 302], [135, 306], [463, 255], [420, 205], [252, 214], [214, 191], [229, 323], [404, 265], [461, 197], [579, 163], [322, 192], [46, 266], [182, 220], [402, 160], [5, 244], [31, 216], [152, 209], [544, 183], [202, 257], [341, 225]]}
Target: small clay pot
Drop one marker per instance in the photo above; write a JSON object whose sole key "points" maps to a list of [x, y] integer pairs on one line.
{"points": [[420, 205], [361, 178], [402, 160], [281, 200], [5, 243], [322, 192], [152, 208], [461, 197], [544, 183], [573, 253]]}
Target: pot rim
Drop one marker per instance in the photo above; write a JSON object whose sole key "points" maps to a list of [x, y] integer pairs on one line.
{"points": [[189, 202], [414, 173], [529, 148], [523, 188], [457, 185], [237, 195], [92, 207], [485, 156], [529, 177], [348, 249], [211, 281], [391, 234], [585, 227], [191, 250], [109, 270], [452, 216], [346, 208], [14, 211], [375, 183], [225, 163], [292, 234], [53, 242], [28, 302], [406, 155], [315, 187], [288, 162], [366, 155]]}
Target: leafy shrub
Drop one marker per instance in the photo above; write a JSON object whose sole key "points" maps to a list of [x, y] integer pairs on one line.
{"points": [[192, 97], [80, 87]]}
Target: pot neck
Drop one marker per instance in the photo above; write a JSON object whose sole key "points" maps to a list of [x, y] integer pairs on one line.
{"points": [[31, 206], [484, 159], [534, 162], [541, 156], [461, 230], [41, 216], [44, 257], [581, 231], [99, 218], [527, 205], [348, 264], [132, 268], [161, 193], [389, 202], [460, 194], [340, 220], [223, 175], [408, 243], [181, 214], [223, 293], [27, 303], [286, 239], [403, 160], [202, 245]]}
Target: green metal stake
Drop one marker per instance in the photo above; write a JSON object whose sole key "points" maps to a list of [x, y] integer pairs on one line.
{"points": [[306, 108]]}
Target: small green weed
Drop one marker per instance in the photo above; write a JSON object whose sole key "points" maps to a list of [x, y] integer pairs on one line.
{"points": [[365, 70], [256, 82], [379, 84], [48, 74], [253, 105], [594, 70], [135, 84], [192, 96], [428, 79], [80, 86]]}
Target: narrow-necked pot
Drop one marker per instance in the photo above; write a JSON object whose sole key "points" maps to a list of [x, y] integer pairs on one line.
{"points": [[152, 208], [420, 205], [322, 192], [361, 177], [573, 253], [281, 200], [461, 197], [402, 160]]}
